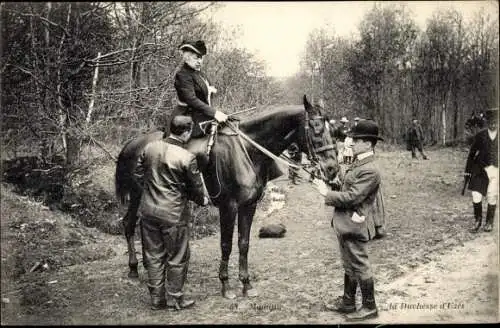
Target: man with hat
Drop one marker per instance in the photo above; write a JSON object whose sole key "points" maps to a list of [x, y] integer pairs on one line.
{"points": [[357, 207], [170, 177], [194, 89], [482, 168]]}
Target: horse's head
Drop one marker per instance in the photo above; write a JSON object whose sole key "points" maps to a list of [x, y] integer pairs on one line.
{"points": [[317, 141]]}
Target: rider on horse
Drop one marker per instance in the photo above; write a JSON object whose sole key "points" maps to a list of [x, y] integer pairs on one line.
{"points": [[194, 90]]}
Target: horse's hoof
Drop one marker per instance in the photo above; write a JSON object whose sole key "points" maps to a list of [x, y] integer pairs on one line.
{"points": [[229, 294], [133, 274]]}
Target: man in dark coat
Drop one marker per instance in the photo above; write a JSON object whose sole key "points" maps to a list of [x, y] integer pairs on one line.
{"points": [[358, 206], [482, 168], [170, 177], [416, 139], [194, 89]]}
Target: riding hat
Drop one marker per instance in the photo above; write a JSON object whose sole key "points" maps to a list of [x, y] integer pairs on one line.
{"points": [[365, 129], [356, 118], [344, 119], [194, 46]]}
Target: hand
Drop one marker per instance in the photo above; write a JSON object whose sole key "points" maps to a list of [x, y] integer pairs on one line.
{"points": [[206, 200], [321, 186], [220, 116], [467, 174], [212, 89]]}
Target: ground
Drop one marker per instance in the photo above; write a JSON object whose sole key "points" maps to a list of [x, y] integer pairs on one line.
{"points": [[428, 269]]}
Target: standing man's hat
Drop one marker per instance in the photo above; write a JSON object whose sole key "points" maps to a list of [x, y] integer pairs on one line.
{"points": [[356, 118], [491, 114], [365, 129], [194, 46], [344, 119]]}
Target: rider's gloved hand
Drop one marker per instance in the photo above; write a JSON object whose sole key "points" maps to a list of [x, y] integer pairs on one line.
{"points": [[220, 116]]}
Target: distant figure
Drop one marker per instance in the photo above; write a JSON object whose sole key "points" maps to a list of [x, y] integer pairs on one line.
{"points": [[348, 154], [295, 155], [415, 139], [482, 168], [356, 120], [340, 134]]}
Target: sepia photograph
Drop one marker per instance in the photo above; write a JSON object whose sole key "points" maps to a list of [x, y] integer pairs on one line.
{"points": [[216, 162]]}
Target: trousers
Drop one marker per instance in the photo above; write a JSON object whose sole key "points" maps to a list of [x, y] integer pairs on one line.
{"points": [[166, 254], [354, 257]]}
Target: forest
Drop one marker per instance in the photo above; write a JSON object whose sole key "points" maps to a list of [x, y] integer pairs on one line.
{"points": [[80, 74]]}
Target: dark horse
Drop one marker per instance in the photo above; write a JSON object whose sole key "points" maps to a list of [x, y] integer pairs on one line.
{"points": [[235, 175]]}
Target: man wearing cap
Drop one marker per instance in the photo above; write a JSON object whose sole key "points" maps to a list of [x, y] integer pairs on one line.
{"points": [[416, 139], [357, 207], [170, 177], [482, 168], [194, 89]]}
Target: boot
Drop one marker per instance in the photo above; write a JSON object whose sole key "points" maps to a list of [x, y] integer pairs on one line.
{"points": [[369, 308], [380, 232], [178, 303], [490, 216], [158, 301], [347, 302], [478, 216]]}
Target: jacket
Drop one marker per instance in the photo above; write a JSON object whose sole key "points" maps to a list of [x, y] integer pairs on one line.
{"points": [[193, 97], [483, 152], [170, 177], [415, 135], [360, 193]]}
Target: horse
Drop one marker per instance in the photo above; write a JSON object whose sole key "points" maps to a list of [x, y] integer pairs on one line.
{"points": [[235, 175]]}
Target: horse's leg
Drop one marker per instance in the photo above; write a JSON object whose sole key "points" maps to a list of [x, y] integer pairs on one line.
{"points": [[245, 218], [227, 214], [129, 223]]}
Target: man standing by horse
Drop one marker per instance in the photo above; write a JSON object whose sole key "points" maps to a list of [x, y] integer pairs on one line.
{"points": [[358, 206], [170, 177], [482, 169]]}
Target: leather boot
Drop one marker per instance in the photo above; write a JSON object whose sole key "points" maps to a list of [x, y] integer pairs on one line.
{"points": [[380, 232], [179, 303], [158, 301], [369, 308], [490, 216], [478, 216], [347, 302]]}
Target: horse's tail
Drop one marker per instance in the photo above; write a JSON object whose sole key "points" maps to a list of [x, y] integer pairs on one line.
{"points": [[123, 176]]}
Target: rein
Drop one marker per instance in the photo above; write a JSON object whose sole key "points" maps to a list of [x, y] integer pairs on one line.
{"points": [[261, 148]]}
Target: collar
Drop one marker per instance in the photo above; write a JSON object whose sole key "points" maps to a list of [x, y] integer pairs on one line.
{"points": [[173, 140], [363, 158], [365, 155], [492, 134]]}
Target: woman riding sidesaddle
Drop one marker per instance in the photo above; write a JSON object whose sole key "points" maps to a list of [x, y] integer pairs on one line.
{"points": [[194, 92]]}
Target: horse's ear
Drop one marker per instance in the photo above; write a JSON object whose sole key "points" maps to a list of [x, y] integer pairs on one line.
{"points": [[307, 104]]}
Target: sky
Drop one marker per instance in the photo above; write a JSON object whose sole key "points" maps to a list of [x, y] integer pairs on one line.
{"points": [[276, 32]]}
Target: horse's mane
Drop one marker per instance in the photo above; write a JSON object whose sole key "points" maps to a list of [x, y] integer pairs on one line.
{"points": [[274, 113]]}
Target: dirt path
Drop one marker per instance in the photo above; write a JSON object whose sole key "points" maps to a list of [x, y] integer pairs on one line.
{"points": [[295, 275]]}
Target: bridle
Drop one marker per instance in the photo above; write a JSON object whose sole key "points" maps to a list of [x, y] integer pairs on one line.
{"points": [[312, 150]]}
